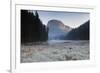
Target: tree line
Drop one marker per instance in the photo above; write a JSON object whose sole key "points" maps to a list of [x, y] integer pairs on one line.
{"points": [[32, 28]]}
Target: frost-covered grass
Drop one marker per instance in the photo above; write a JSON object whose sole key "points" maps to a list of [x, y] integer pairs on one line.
{"points": [[77, 50]]}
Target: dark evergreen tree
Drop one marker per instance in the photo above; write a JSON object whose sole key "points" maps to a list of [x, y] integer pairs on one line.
{"points": [[32, 29]]}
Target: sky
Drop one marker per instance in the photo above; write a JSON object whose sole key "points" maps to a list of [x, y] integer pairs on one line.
{"points": [[72, 19]]}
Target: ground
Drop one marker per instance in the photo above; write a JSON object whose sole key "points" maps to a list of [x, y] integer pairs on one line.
{"points": [[46, 52]]}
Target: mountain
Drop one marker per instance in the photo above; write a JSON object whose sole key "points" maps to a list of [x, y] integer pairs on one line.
{"points": [[57, 30], [80, 33]]}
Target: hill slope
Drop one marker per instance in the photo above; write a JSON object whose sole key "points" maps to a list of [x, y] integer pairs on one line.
{"points": [[80, 33]]}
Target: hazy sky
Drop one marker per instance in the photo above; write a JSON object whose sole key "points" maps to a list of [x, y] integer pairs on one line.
{"points": [[72, 19]]}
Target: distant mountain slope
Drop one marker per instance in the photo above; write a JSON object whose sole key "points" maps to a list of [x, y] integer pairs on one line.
{"points": [[80, 33], [57, 30]]}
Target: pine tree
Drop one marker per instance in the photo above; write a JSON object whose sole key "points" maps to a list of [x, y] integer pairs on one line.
{"points": [[36, 14], [32, 28]]}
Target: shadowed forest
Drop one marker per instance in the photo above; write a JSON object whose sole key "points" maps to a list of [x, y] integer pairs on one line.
{"points": [[32, 28]]}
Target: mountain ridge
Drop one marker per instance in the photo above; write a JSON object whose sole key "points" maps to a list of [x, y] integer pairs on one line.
{"points": [[79, 33], [57, 29]]}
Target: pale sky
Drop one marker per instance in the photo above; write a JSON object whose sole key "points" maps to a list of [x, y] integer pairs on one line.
{"points": [[72, 19]]}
